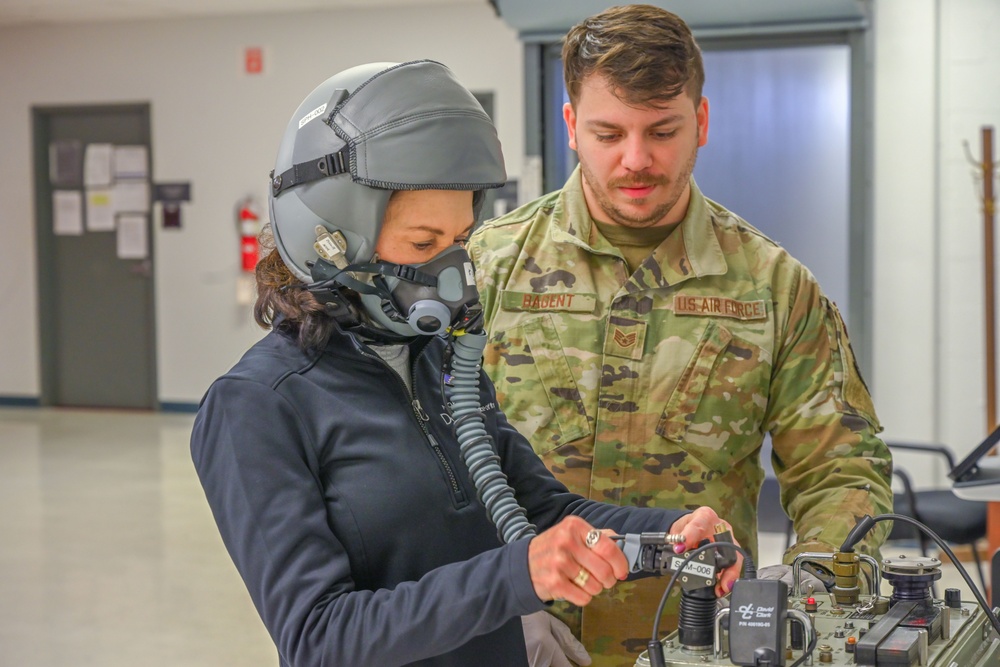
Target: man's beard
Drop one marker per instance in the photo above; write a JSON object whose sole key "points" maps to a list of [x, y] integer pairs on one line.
{"points": [[624, 219]]}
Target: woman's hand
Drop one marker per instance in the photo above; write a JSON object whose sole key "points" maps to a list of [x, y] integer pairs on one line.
{"points": [[563, 566], [703, 524]]}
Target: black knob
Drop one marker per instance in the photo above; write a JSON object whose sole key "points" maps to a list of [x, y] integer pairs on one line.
{"points": [[953, 597]]}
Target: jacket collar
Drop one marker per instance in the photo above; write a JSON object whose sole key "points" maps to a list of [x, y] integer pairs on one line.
{"points": [[691, 251]]}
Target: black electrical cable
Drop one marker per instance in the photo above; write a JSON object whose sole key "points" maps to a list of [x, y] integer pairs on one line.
{"points": [[654, 643], [808, 651], [812, 646], [868, 522]]}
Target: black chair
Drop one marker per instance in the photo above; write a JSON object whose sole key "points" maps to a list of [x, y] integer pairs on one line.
{"points": [[953, 519]]}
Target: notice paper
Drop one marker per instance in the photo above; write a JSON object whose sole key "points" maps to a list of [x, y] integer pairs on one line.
{"points": [[67, 212], [132, 237], [100, 210], [131, 196], [97, 165], [130, 162], [66, 163]]}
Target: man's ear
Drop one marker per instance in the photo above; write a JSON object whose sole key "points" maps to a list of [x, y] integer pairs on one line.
{"points": [[701, 113], [569, 115]]}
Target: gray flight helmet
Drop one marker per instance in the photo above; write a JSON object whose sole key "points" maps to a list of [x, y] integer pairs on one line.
{"points": [[364, 133]]}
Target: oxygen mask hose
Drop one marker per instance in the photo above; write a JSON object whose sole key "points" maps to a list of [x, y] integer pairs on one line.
{"points": [[476, 445]]}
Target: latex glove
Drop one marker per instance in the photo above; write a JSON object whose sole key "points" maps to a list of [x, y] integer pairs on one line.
{"points": [[784, 573], [550, 642]]}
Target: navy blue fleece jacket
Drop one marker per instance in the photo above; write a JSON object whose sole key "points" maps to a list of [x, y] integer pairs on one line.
{"points": [[348, 511]]}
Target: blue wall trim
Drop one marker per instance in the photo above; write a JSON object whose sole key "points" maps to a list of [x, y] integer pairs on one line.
{"points": [[35, 402], [20, 401], [188, 408]]}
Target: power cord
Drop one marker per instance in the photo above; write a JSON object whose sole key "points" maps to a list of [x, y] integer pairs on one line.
{"points": [[868, 522], [808, 651]]}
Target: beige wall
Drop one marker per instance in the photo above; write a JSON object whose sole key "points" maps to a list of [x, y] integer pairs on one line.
{"points": [[936, 65], [217, 128]]}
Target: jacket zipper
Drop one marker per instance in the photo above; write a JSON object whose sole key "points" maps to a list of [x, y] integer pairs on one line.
{"points": [[422, 419]]}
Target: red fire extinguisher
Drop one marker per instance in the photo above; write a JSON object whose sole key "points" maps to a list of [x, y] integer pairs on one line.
{"points": [[249, 223]]}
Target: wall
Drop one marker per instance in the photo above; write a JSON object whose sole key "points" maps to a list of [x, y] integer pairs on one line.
{"points": [[217, 128], [936, 65], [935, 68]]}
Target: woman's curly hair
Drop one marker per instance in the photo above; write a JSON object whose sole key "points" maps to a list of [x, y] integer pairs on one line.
{"points": [[283, 305]]}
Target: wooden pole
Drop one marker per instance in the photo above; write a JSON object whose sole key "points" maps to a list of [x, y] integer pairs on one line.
{"points": [[988, 246], [989, 213]]}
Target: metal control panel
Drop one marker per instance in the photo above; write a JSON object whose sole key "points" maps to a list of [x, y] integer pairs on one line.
{"points": [[971, 641], [908, 629]]}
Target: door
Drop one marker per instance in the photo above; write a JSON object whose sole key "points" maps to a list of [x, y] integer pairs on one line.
{"points": [[96, 308]]}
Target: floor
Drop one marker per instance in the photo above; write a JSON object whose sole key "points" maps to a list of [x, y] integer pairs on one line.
{"points": [[108, 552], [109, 555]]}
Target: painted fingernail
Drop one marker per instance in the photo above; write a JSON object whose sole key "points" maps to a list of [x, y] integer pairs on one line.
{"points": [[680, 548], [729, 586]]}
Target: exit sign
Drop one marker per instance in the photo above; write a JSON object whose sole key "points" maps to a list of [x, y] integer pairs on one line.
{"points": [[253, 60]]}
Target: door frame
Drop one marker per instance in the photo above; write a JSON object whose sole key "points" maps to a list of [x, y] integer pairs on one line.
{"points": [[45, 240]]}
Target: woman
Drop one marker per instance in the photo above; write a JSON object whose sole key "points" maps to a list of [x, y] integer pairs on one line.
{"points": [[330, 454]]}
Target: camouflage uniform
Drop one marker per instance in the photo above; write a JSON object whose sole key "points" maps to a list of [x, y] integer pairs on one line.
{"points": [[657, 388]]}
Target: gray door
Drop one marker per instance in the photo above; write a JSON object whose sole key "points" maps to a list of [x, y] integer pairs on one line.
{"points": [[96, 310]]}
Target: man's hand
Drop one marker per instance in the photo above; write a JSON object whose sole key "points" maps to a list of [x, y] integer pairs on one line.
{"points": [[563, 566], [550, 642], [701, 525]]}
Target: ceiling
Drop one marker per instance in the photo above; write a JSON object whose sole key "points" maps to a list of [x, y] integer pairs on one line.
{"points": [[547, 17], [33, 12], [526, 16]]}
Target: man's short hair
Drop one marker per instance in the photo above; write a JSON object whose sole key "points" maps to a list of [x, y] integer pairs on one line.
{"points": [[646, 53]]}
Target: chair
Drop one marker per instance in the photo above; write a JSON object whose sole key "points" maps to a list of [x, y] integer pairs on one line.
{"points": [[954, 519]]}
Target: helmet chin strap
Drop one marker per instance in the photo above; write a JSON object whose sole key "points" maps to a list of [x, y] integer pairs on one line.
{"points": [[377, 303], [433, 298], [377, 298], [375, 310]]}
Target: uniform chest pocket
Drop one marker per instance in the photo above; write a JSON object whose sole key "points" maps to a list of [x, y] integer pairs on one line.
{"points": [[535, 384], [716, 410]]}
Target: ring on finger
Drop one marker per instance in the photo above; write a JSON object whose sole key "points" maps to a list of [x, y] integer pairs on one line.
{"points": [[592, 537], [582, 577]]}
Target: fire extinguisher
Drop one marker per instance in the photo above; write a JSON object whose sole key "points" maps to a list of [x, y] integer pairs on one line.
{"points": [[248, 220]]}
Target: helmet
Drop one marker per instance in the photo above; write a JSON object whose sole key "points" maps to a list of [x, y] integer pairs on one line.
{"points": [[364, 133]]}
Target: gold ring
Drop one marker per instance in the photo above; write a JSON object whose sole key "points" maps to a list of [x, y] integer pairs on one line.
{"points": [[581, 578], [592, 537]]}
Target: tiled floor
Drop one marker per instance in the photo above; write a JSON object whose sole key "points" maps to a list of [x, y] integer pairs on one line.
{"points": [[109, 555]]}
